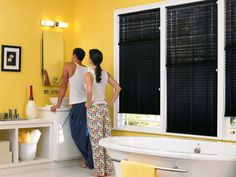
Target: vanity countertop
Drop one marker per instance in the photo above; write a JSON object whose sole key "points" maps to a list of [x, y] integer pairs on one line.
{"points": [[25, 121], [48, 108]]}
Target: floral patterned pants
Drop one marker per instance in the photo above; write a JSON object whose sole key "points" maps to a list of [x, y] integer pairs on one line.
{"points": [[99, 126]]}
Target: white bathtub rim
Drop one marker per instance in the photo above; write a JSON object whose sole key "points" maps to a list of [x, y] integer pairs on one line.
{"points": [[106, 142]]}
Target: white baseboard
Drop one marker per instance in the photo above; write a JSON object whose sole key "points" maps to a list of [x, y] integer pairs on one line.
{"points": [[26, 168], [23, 167], [66, 163]]}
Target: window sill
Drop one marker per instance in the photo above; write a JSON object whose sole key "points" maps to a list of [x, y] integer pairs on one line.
{"points": [[139, 130], [171, 135]]}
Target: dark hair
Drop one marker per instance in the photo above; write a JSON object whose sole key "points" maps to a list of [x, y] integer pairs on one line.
{"points": [[79, 53], [96, 57]]}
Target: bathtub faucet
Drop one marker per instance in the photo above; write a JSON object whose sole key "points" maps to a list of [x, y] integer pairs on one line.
{"points": [[197, 150]]}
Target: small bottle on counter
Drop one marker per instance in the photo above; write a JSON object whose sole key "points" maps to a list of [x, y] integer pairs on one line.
{"points": [[31, 108], [10, 114], [16, 115]]}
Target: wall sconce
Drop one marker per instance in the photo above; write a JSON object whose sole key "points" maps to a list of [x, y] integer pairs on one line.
{"points": [[61, 24], [52, 23]]}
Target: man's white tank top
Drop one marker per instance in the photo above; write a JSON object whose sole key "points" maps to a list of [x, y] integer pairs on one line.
{"points": [[76, 86], [99, 89]]}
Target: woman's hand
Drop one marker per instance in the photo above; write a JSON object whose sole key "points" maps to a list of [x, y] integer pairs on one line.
{"points": [[88, 104], [109, 103]]}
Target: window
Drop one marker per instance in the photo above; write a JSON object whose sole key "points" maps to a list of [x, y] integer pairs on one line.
{"points": [[230, 80], [192, 68], [181, 48], [139, 68]]}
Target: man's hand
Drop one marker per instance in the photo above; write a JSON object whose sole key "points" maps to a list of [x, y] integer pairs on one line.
{"points": [[54, 108]]}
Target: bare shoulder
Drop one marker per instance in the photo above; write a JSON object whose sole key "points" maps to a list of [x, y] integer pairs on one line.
{"points": [[68, 64], [70, 67], [88, 75]]}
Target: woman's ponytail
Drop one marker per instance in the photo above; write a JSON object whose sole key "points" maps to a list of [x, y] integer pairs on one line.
{"points": [[96, 57], [98, 73]]}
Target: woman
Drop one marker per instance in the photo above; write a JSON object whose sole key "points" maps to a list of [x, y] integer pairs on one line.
{"points": [[99, 123]]}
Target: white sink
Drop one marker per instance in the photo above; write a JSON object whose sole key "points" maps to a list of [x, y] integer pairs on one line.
{"points": [[64, 103]]}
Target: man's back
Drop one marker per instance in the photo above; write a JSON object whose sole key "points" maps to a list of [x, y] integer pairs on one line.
{"points": [[76, 74]]}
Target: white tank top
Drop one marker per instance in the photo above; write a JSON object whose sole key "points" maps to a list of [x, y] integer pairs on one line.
{"points": [[76, 84], [99, 89]]}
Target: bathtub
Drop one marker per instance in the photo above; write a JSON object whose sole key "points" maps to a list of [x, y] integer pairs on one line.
{"points": [[175, 157]]}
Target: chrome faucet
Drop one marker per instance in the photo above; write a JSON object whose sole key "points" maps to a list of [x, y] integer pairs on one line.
{"points": [[54, 91], [197, 150]]}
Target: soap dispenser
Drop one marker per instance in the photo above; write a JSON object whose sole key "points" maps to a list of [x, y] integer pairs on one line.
{"points": [[31, 108]]}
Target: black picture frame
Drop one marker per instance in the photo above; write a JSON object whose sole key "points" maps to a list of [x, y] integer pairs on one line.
{"points": [[11, 58]]}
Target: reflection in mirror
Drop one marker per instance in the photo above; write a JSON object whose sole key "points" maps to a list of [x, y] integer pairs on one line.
{"points": [[53, 58]]}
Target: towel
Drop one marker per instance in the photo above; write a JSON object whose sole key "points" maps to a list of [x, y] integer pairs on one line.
{"points": [[134, 169]]}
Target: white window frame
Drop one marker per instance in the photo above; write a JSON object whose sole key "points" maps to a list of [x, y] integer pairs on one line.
{"points": [[222, 122]]}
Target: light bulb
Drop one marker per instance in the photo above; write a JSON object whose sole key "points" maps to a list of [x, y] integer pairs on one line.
{"points": [[62, 25], [47, 23]]}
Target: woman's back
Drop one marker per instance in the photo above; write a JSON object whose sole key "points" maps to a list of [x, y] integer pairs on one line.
{"points": [[99, 89]]}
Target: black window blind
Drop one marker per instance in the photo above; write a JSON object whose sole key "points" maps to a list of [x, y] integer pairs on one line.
{"points": [[230, 78], [192, 68], [139, 67]]}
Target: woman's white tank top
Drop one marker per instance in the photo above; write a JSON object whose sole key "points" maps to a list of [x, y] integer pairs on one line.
{"points": [[99, 89], [76, 86]]}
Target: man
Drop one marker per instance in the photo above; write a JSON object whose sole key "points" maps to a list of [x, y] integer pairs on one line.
{"points": [[73, 74]]}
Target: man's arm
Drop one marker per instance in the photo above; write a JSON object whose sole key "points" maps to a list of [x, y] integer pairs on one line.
{"points": [[63, 88]]}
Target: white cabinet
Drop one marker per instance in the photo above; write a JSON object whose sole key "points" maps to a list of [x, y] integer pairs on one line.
{"points": [[9, 131], [64, 147], [54, 147]]}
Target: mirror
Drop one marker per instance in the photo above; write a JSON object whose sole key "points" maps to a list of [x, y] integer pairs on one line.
{"points": [[52, 58]]}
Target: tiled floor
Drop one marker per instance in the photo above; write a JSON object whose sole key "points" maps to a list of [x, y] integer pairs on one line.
{"points": [[61, 172]]}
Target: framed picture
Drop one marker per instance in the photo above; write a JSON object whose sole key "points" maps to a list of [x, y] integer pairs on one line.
{"points": [[11, 58]]}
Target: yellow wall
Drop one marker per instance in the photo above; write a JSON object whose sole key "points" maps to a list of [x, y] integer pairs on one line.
{"points": [[20, 25], [94, 29], [90, 26]]}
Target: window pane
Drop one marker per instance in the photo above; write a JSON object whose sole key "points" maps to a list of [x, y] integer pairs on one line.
{"points": [[191, 68], [140, 62], [230, 77], [139, 120]]}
